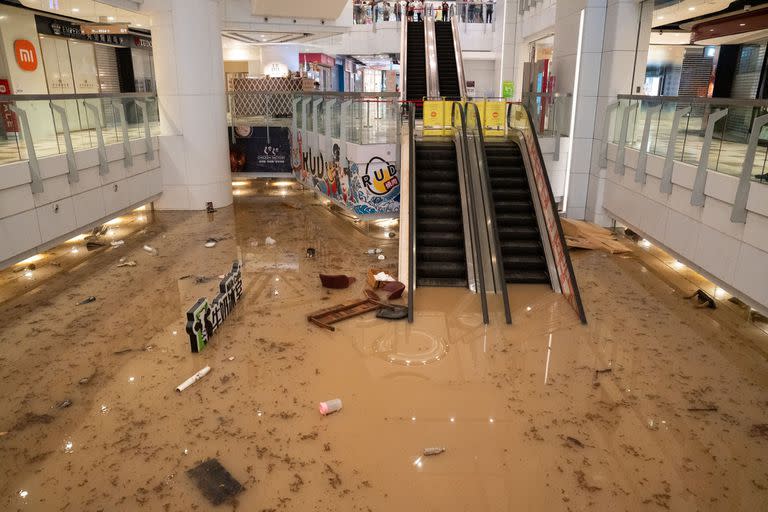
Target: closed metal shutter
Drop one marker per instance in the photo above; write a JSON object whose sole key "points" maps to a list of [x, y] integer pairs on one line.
{"points": [[109, 80], [746, 81]]}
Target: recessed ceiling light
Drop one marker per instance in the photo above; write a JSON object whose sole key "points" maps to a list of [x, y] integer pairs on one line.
{"points": [[691, 8], [742, 24], [139, 25], [711, 30], [75, 9], [111, 18], [659, 17]]}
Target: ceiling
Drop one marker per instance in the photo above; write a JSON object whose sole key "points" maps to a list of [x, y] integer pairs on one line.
{"points": [[668, 12], [268, 37], [90, 10]]}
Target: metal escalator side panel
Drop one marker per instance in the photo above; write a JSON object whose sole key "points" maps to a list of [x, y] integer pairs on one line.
{"points": [[462, 163], [411, 193], [430, 45], [459, 58], [558, 258]]}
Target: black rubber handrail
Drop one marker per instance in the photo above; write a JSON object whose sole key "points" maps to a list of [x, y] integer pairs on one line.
{"points": [[411, 206], [471, 108], [574, 285], [475, 237]]}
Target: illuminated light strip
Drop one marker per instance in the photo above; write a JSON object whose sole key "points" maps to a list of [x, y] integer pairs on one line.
{"points": [[573, 112]]}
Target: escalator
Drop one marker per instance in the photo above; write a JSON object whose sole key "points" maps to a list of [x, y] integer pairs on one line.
{"points": [[447, 71], [522, 251], [416, 65], [440, 253]]}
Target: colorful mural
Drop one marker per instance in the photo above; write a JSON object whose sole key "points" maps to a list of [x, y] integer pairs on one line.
{"points": [[365, 189]]}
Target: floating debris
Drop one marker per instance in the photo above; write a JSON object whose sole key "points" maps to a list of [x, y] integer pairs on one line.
{"points": [[117, 243], [336, 281], [381, 257], [703, 299], [151, 250], [123, 351], [392, 313], [127, 264], [231, 358], [64, 404], [708, 408], [330, 406], [84, 380], [428, 452], [211, 242], [87, 301], [209, 207], [3, 434], [269, 241], [196, 377], [92, 245], [215, 482], [311, 252], [574, 441]]}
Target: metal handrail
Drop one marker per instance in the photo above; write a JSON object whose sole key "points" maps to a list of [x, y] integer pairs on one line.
{"points": [[731, 102], [458, 55], [430, 58], [403, 58], [457, 106], [411, 206], [88, 96], [490, 220]]}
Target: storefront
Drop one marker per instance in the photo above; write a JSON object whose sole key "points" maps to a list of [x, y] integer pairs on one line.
{"points": [[57, 57], [319, 67]]}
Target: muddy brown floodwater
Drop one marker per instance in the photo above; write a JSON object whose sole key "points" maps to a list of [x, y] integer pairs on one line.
{"points": [[546, 414]]}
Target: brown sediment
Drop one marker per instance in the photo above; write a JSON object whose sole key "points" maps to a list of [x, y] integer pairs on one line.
{"points": [[445, 380]]}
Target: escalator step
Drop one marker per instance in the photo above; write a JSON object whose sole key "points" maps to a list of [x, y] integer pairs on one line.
{"points": [[440, 254], [516, 219], [525, 277], [440, 239], [525, 262], [512, 247], [442, 269], [426, 282]]}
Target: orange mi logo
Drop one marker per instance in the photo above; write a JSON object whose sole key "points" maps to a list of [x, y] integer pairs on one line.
{"points": [[26, 56]]}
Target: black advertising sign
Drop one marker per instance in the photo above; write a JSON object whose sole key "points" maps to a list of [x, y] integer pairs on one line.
{"points": [[261, 149], [204, 319]]}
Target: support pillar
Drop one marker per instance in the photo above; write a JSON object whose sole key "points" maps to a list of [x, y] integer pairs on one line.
{"points": [[194, 149]]}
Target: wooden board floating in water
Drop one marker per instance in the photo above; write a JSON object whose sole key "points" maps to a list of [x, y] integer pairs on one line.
{"points": [[325, 317]]}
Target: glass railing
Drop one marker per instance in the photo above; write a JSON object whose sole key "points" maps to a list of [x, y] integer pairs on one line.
{"points": [[374, 12], [717, 128], [361, 118], [38, 126], [551, 113]]}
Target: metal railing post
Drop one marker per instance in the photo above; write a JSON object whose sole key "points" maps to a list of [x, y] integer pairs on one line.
{"points": [[143, 105], [101, 148], [739, 210], [127, 153], [36, 182], [604, 153], [642, 159], [72, 176], [699, 184], [555, 131], [295, 123], [619, 164], [328, 106], [669, 162]]}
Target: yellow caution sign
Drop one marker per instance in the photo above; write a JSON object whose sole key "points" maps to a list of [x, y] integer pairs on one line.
{"points": [[493, 123], [434, 118]]}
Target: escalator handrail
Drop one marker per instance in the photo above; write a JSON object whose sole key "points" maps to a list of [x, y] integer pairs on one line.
{"points": [[459, 59], [475, 242], [579, 306], [411, 206], [403, 58], [474, 112]]}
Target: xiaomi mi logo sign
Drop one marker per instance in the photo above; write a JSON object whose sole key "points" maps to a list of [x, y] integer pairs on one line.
{"points": [[26, 56]]}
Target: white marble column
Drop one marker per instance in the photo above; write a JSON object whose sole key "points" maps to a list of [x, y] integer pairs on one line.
{"points": [[189, 66], [595, 69]]}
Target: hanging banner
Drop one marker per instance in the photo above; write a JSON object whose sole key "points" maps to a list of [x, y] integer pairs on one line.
{"points": [[10, 122], [261, 149], [203, 319]]}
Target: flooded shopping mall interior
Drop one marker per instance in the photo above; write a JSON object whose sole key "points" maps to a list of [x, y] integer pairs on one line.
{"points": [[376, 267]]}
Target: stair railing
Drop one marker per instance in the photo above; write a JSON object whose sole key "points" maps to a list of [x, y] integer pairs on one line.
{"points": [[411, 108], [476, 141], [459, 124]]}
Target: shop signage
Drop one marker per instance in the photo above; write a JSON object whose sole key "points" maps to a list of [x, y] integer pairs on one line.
{"points": [[203, 320], [507, 89], [111, 28], [63, 28], [380, 176], [10, 122], [320, 59], [26, 55], [276, 70], [261, 149]]}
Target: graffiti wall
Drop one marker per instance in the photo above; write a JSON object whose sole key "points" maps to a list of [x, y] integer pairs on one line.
{"points": [[365, 188]]}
